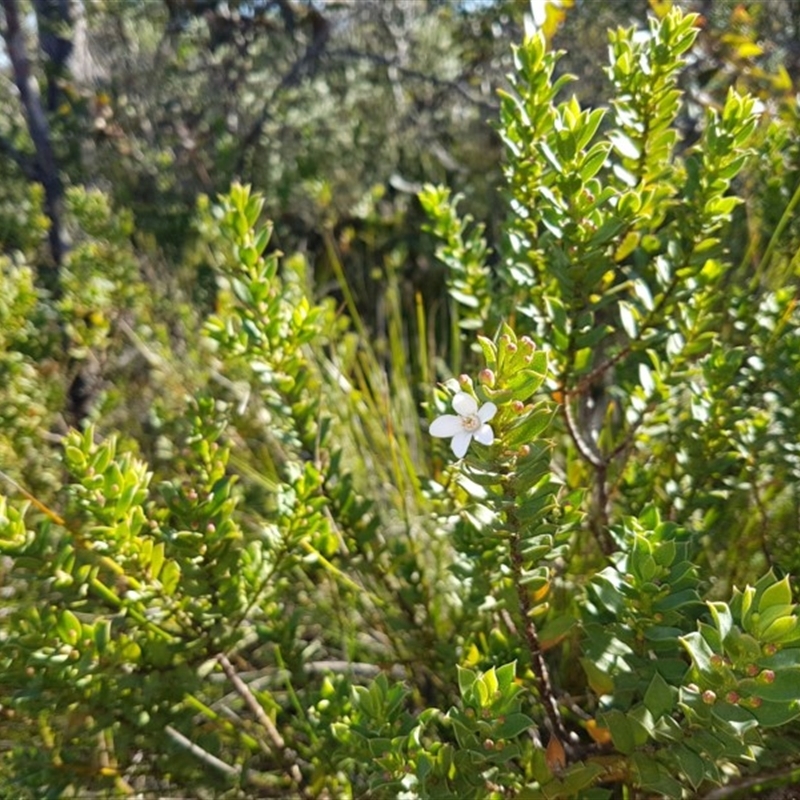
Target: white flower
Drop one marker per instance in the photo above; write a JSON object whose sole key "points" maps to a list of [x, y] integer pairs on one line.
{"points": [[470, 422]]}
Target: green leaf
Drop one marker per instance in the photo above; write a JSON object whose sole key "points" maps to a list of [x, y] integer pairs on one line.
{"points": [[513, 725], [156, 560], [659, 699], [557, 315], [466, 679], [170, 577], [578, 777], [745, 602], [262, 238], [587, 130], [779, 593], [784, 687], [783, 630], [642, 724], [102, 635], [556, 629], [653, 777], [525, 382], [627, 246], [773, 715], [698, 650], [550, 156], [624, 145], [621, 728], [629, 319], [593, 161], [642, 563], [364, 700], [75, 458], [785, 658], [465, 735], [606, 232], [739, 719], [662, 633], [722, 618], [691, 764], [506, 678], [682, 599], [489, 351], [530, 427], [69, 627], [664, 552], [487, 685]]}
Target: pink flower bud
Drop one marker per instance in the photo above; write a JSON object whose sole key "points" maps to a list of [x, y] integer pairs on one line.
{"points": [[709, 697], [486, 377]]}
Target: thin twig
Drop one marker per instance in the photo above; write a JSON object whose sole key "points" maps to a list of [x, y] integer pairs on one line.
{"points": [[250, 701], [243, 690], [587, 451], [723, 792], [538, 663], [55, 517], [599, 521], [204, 756]]}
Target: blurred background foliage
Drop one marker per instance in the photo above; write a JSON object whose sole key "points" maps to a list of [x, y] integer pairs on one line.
{"points": [[340, 111], [118, 284]]}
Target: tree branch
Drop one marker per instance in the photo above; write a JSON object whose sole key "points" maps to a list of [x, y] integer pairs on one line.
{"points": [[321, 31], [423, 77]]}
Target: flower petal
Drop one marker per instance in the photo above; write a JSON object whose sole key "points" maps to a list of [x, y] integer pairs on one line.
{"points": [[464, 404], [484, 434], [460, 443], [488, 410], [446, 425]]}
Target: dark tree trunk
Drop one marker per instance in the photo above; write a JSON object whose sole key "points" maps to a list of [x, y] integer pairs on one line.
{"points": [[54, 20], [45, 166]]}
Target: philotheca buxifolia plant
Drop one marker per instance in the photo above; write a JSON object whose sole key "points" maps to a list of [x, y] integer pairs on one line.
{"points": [[292, 593]]}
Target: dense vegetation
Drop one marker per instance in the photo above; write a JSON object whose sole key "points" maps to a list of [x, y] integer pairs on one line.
{"points": [[394, 405]]}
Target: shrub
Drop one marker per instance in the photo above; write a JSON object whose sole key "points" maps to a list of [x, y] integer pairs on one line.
{"points": [[282, 587]]}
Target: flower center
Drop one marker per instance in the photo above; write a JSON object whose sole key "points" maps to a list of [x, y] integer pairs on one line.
{"points": [[471, 423]]}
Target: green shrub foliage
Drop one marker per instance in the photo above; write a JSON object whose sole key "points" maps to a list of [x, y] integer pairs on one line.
{"points": [[252, 572]]}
